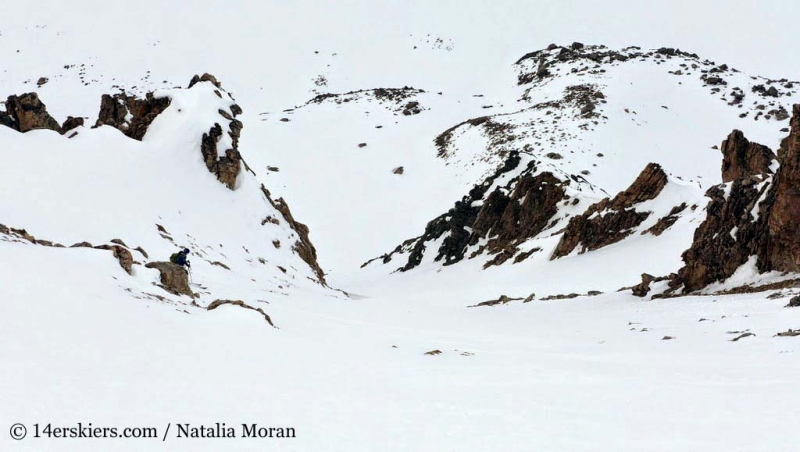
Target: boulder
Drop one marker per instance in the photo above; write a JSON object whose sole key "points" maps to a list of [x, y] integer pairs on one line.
{"points": [[70, 123], [174, 278], [643, 288]]}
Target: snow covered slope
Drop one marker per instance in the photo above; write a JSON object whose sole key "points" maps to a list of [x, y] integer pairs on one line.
{"points": [[157, 195], [546, 181], [596, 116]]}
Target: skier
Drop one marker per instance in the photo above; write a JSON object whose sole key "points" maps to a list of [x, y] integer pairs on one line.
{"points": [[179, 258]]}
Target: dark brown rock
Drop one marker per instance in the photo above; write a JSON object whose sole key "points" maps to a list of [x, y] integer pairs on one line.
{"points": [[412, 108], [70, 123], [115, 111], [26, 112], [611, 220], [303, 246], [728, 236], [505, 217], [764, 213], [205, 78], [783, 249], [643, 288], [228, 166], [741, 158], [174, 278], [667, 221]]}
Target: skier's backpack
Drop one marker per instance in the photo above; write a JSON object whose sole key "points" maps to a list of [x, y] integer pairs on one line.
{"points": [[174, 258]]}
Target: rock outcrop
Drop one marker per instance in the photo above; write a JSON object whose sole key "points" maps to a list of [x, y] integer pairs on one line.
{"points": [[26, 112], [741, 158], [174, 278], [755, 215], [217, 303], [71, 123], [122, 255], [502, 216], [131, 115], [303, 246], [204, 78], [611, 220], [226, 164], [783, 218]]}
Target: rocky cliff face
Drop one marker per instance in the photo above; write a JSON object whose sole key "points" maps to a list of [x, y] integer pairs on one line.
{"points": [[783, 219], [754, 215], [611, 220], [494, 218], [741, 158]]}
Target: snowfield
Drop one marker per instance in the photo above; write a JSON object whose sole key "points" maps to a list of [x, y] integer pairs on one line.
{"points": [[336, 100]]}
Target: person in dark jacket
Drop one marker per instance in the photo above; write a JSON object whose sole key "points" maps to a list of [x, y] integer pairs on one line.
{"points": [[179, 258]]}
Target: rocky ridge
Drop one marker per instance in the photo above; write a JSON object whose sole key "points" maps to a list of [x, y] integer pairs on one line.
{"points": [[523, 199], [612, 220]]}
